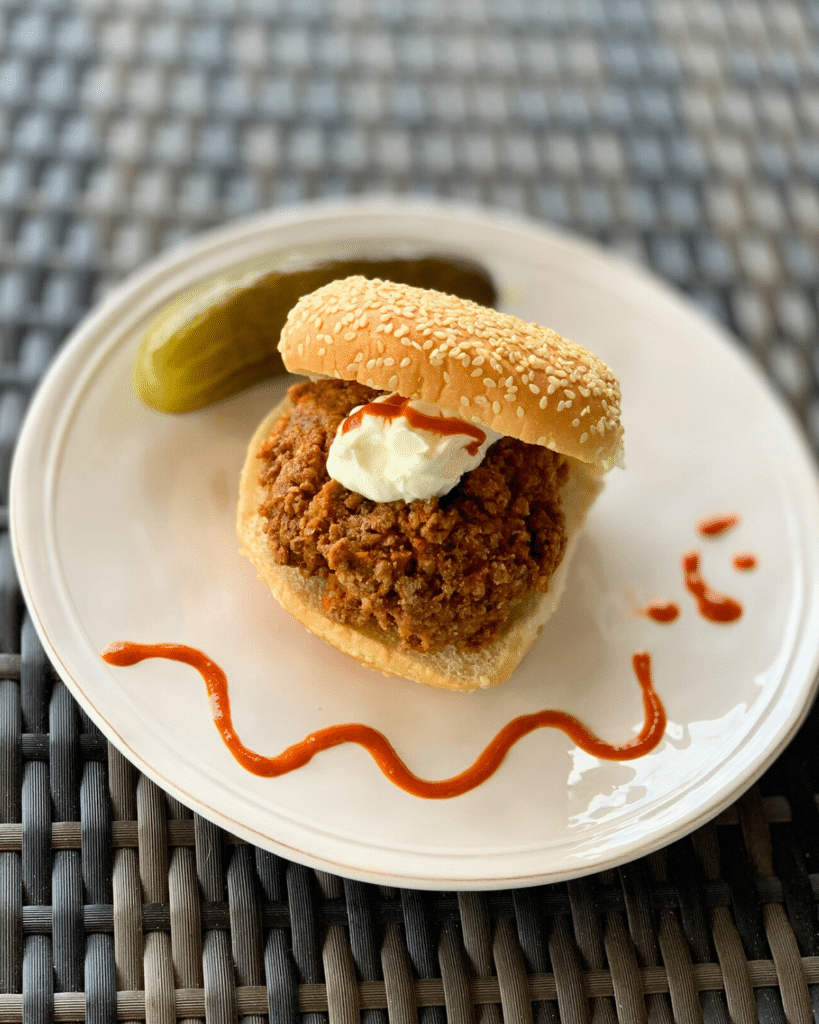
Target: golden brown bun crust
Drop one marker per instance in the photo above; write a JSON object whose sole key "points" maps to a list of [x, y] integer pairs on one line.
{"points": [[517, 378], [451, 669]]}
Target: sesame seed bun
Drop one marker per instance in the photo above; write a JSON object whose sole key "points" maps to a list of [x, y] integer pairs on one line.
{"points": [[450, 668], [520, 379]]}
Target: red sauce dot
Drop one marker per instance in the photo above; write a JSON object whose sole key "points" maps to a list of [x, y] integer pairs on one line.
{"points": [[714, 526], [662, 611], [744, 561], [712, 605]]}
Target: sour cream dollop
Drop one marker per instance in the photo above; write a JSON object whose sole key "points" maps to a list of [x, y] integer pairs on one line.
{"points": [[387, 458]]}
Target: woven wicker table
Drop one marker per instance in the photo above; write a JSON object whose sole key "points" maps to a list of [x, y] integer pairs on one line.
{"points": [[683, 135]]}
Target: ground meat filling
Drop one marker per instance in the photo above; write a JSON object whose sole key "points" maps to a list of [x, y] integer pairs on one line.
{"points": [[434, 572]]}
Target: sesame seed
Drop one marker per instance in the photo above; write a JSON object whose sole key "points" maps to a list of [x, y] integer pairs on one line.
{"points": [[447, 377], [584, 437], [392, 383], [464, 400], [575, 423], [496, 407], [489, 383], [534, 389], [520, 412], [561, 406], [543, 402]]}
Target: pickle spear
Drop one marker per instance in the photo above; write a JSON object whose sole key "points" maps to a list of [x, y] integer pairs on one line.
{"points": [[222, 336]]}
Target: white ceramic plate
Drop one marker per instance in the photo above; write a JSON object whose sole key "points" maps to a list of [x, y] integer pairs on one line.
{"points": [[123, 529]]}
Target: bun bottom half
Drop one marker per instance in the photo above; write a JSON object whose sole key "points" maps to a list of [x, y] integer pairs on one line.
{"points": [[450, 668]]}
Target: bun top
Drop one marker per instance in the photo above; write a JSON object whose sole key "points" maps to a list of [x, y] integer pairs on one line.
{"points": [[520, 379]]}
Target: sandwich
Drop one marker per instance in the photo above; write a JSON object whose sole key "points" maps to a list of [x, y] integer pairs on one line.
{"points": [[416, 500]]}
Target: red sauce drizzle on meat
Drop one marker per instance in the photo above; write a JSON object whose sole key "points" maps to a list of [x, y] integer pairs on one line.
{"points": [[662, 611], [712, 605], [379, 747], [744, 561], [395, 405], [716, 525]]}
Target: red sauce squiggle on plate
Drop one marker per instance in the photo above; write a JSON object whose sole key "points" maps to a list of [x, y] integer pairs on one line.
{"points": [[712, 605], [379, 747], [714, 526], [744, 561]]}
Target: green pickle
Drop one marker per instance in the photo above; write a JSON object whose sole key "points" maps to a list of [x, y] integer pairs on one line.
{"points": [[222, 336]]}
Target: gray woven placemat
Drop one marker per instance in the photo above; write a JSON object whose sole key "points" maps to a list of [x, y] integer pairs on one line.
{"points": [[684, 135]]}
